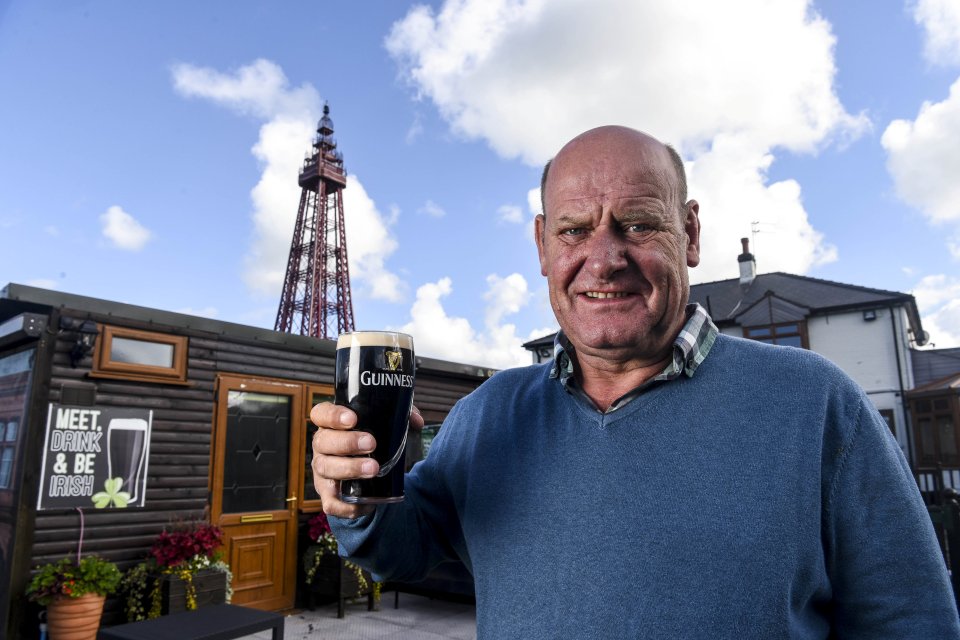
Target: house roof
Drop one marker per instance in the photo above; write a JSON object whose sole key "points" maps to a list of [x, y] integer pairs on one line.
{"points": [[785, 297], [930, 365], [950, 383], [726, 300], [16, 299]]}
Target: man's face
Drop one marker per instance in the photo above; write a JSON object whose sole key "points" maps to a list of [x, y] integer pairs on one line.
{"points": [[616, 244]]}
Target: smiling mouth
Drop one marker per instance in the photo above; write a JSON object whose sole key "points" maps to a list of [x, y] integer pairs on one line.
{"points": [[601, 295]]}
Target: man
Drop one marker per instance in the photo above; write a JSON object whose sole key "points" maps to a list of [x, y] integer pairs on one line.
{"points": [[656, 479]]}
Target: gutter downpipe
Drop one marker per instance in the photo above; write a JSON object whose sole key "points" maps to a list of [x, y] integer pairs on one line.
{"points": [[903, 399]]}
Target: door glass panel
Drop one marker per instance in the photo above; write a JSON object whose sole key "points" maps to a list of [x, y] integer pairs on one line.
{"points": [[255, 462], [309, 491]]}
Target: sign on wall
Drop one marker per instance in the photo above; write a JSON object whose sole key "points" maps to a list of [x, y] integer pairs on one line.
{"points": [[95, 457]]}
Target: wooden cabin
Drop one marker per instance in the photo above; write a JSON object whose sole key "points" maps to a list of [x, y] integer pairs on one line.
{"points": [[218, 410]]}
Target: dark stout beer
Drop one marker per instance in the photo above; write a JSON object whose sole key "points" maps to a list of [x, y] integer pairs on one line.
{"points": [[374, 377]]}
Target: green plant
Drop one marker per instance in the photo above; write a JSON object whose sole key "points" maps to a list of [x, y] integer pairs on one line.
{"points": [[72, 579], [326, 545], [182, 552]]}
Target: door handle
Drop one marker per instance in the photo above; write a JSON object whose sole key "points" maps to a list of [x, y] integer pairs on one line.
{"points": [[293, 499]]}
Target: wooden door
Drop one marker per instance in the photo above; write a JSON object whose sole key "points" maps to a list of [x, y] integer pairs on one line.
{"points": [[255, 473]]}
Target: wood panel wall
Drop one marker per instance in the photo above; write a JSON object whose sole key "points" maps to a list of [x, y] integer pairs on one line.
{"points": [[178, 471]]}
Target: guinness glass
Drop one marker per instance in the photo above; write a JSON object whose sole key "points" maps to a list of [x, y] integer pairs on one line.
{"points": [[374, 377]]}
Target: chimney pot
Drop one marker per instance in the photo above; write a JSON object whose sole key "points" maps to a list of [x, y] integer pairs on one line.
{"points": [[748, 266]]}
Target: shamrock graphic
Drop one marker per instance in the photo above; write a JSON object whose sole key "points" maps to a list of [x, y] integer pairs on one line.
{"points": [[112, 494]]}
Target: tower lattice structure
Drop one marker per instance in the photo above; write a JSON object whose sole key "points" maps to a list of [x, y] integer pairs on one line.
{"points": [[316, 297]]}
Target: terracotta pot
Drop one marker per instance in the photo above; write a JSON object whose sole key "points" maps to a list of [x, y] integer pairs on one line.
{"points": [[75, 618]]}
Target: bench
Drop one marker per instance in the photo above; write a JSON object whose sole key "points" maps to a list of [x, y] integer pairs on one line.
{"points": [[217, 622]]}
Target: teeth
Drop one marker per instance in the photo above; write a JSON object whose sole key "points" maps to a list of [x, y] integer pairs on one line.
{"points": [[603, 296]]}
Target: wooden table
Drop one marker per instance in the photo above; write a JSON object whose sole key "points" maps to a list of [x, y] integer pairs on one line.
{"points": [[217, 622]]}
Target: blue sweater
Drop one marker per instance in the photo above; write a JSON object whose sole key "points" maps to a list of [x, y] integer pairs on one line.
{"points": [[762, 498]]}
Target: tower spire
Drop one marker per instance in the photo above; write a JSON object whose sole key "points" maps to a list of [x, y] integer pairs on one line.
{"points": [[316, 299]]}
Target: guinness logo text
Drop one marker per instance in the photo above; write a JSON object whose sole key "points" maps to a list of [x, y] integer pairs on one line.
{"points": [[380, 379]]}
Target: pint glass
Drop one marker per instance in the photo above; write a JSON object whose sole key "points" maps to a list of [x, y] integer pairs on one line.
{"points": [[374, 378]]}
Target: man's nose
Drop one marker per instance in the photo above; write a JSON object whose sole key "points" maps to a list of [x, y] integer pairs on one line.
{"points": [[607, 253]]}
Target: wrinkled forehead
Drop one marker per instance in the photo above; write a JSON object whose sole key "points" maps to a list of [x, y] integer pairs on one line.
{"points": [[606, 161]]}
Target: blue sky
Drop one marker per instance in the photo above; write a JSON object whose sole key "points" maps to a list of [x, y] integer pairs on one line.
{"points": [[149, 151]]}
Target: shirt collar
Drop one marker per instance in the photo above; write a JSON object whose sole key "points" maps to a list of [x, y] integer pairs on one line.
{"points": [[690, 349]]}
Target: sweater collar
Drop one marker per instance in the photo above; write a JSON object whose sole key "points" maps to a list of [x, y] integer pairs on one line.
{"points": [[690, 349]]}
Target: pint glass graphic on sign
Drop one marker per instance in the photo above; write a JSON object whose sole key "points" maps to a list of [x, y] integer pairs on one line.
{"points": [[374, 377], [126, 448]]}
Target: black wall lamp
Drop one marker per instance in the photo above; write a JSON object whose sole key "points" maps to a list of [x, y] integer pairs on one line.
{"points": [[86, 331]]}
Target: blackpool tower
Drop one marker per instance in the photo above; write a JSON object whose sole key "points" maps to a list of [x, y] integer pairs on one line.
{"points": [[316, 290]]}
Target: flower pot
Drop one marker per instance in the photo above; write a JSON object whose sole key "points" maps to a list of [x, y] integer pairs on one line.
{"points": [[75, 618], [334, 579], [210, 586]]}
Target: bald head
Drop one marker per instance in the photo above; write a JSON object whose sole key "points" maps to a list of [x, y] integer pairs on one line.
{"points": [[625, 135]]}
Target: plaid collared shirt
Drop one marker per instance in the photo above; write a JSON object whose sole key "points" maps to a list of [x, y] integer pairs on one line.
{"points": [[690, 348]]}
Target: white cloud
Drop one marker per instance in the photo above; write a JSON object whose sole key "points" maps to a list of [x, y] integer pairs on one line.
{"points": [[415, 130], [511, 213], [505, 296], [938, 299], [953, 245], [535, 208], [205, 312], [730, 183], [369, 244], [940, 20], [439, 335], [51, 230], [692, 73], [123, 230], [432, 209], [533, 201], [924, 160], [261, 89]]}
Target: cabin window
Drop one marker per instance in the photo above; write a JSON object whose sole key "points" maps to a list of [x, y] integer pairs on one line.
{"points": [[133, 354], [790, 334], [311, 499], [8, 444]]}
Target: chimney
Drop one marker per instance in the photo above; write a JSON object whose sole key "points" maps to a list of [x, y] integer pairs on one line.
{"points": [[748, 266]]}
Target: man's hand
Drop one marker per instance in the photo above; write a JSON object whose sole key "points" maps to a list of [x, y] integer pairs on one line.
{"points": [[335, 451]]}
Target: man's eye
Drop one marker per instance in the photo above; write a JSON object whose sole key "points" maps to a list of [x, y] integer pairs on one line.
{"points": [[576, 231], [639, 228]]}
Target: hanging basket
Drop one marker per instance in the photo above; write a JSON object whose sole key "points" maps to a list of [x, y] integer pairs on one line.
{"points": [[75, 618]]}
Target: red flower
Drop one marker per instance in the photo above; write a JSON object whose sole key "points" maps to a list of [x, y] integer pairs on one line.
{"points": [[318, 526], [173, 548]]}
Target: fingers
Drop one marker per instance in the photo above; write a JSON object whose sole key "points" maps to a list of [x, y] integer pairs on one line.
{"points": [[416, 420], [327, 415], [329, 491], [340, 454], [334, 451]]}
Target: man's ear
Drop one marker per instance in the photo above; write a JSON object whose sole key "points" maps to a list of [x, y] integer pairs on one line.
{"points": [[539, 228], [691, 225]]}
